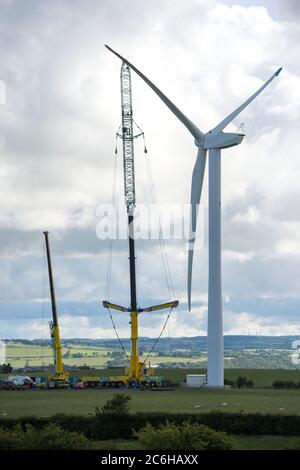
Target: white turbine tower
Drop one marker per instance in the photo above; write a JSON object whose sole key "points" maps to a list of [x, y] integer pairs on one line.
{"points": [[214, 141]]}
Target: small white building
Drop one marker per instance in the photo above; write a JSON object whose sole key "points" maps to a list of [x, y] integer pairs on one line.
{"points": [[195, 380]]}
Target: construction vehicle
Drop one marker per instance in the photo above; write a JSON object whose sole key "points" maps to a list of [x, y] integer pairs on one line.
{"points": [[60, 378], [137, 371]]}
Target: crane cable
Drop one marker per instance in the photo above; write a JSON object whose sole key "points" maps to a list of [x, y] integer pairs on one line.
{"points": [[110, 250], [117, 335], [165, 262], [162, 248], [110, 237], [162, 244], [42, 345], [159, 336]]}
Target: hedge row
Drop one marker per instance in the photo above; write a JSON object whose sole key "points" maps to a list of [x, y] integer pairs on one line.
{"points": [[111, 426], [286, 385]]}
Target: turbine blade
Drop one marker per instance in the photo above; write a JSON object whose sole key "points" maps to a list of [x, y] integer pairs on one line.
{"points": [[197, 183], [196, 133], [235, 113]]}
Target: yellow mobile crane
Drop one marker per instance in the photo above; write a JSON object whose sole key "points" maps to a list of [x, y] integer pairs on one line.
{"points": [[137, 371], [60, 377]]}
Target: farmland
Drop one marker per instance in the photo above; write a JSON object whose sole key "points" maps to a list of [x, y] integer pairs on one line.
{"points": [[75, 355], [251, 352]]}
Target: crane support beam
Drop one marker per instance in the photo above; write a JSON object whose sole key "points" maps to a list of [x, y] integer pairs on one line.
{"points": [[153, 308], [107, 304]]}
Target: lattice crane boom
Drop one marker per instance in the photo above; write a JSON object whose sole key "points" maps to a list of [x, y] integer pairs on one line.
{"points": [[127, 137]]}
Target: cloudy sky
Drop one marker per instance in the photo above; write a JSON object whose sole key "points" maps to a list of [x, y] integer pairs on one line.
{"points": [[59, 111]]}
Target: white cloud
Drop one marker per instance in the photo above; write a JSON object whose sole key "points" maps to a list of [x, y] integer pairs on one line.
{"points": [[236, 256], [57, 145]]}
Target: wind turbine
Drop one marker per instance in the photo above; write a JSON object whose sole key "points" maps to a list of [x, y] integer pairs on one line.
{"points": [[214, 141]]}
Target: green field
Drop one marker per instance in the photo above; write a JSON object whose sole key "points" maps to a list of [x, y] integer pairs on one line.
{"points": [[50, 402], [20, 355], [167, 353]]}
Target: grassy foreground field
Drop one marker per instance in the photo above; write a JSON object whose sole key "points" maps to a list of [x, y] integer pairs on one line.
{"points": [[263, 398], [47, 403]]}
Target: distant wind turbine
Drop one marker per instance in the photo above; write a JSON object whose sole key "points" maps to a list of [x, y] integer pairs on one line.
{"points": [[214, 141]]}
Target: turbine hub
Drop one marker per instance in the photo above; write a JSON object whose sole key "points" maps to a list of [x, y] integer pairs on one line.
{"points": [[199, 142]]}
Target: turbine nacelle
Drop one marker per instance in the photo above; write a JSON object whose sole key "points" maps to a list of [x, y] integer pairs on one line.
{"points": [[219, 140]]}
